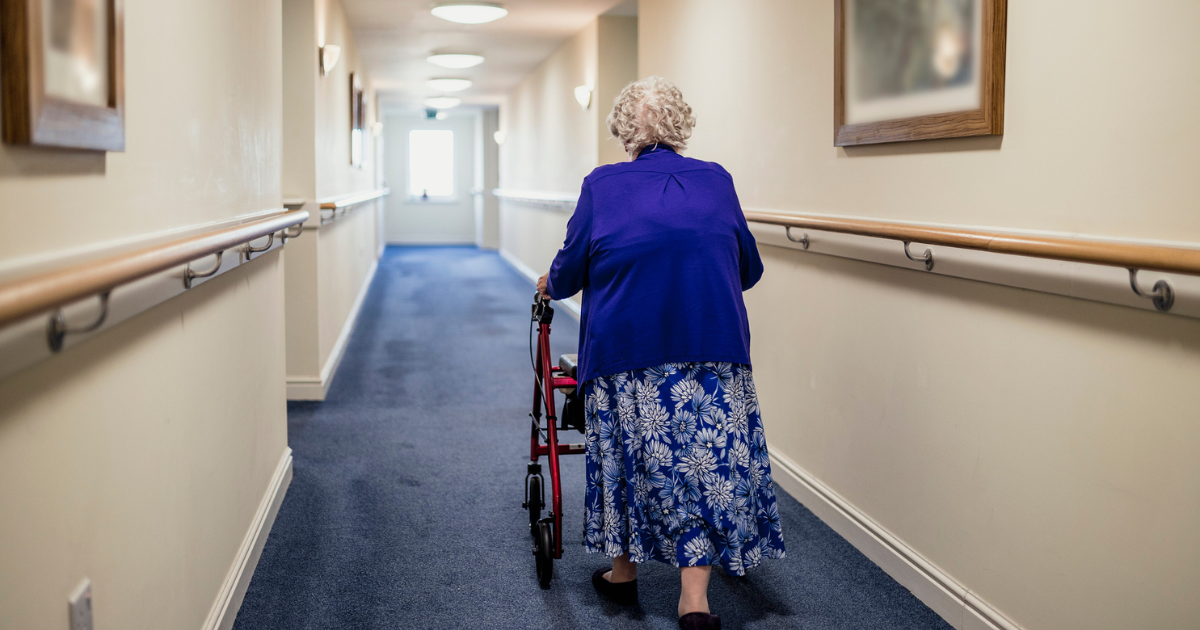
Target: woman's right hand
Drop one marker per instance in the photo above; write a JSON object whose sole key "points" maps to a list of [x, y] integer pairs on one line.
{"points": [[541, 286]]}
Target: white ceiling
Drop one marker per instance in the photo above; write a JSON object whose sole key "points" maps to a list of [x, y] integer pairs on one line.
{"points": [[395, 36]]}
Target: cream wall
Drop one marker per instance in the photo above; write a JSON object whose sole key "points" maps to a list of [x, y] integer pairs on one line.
{"points": [[487, 174], [300, 57], [224, 153], [328, 275], [616, 61], [1085, 148], [551, 143], [348, 257], [1037, 449], [410, 221], [139, 458], [334, 174]]}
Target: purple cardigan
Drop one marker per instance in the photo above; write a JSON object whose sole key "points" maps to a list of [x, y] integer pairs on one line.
{"points": [[661, 250]]}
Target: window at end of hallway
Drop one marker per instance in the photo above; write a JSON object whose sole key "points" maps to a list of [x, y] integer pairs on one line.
{"points": [[431, 164]]}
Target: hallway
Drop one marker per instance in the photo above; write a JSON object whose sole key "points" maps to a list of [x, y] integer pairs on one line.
{"points": [[404, 511], [266, 269]]}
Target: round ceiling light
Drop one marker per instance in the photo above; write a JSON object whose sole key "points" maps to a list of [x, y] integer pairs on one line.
{"points": [[443, 102], [469, 12], [455, 60], [448, 85]]}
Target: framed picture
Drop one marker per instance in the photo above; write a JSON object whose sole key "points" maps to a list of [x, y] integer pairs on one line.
{"points": [[917, 69], [358, 123], [63, 73]]}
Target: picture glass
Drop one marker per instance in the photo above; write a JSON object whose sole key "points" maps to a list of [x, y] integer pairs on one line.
{"points": [[75, 50], [357, 122], [911, 58]]}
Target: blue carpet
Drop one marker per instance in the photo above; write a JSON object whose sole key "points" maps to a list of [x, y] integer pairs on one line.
{"points": [[404, 511]]}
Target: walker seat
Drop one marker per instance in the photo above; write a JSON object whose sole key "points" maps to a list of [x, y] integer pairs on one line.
{"points": [[569, 364]]}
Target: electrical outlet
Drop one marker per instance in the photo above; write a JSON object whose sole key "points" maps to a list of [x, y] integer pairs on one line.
{"points": [[80, 606]]}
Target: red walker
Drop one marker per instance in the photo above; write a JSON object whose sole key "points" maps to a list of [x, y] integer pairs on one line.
{"points": [[543, 440]]}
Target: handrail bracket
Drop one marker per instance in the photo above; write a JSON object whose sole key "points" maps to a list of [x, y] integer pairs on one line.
{"points": [[57, 328], [803, 240], [189, 275], [1162, 295], [927, 259], [250, 250], [288, 234]]}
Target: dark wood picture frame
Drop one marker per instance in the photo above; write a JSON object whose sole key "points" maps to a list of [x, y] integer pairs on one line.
{"points": [[987, 120], [358, 124], [31, 117]]}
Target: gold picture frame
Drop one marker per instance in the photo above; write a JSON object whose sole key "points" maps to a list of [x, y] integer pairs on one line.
{"points": [[982, 46], [358, 124], [63, 73]]}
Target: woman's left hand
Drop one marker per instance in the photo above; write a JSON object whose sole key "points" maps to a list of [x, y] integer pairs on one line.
{"points": [[542, 287]]}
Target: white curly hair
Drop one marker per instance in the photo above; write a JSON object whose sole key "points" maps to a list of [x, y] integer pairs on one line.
{"points": [[649, 111]]}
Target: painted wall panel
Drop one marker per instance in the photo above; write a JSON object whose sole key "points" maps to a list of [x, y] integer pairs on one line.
{"points": [[1034, 447], [138, 458]]}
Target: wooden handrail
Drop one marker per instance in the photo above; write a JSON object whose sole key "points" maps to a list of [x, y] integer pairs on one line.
{"points": [[39, 293], [1125, 255], [353, 199]]}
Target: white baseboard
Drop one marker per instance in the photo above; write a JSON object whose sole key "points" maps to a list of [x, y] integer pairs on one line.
{"points": [[315, 388], [306, 388], [233, 590], [572, 304], [942, 593]]}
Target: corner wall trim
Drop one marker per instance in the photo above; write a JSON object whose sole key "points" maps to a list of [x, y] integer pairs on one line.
{"points": [[315, 388], [572, 304], [953, 602], [233, 590]]}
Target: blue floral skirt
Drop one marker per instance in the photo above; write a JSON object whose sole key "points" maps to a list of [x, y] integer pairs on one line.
{"points": [[677, 468]]}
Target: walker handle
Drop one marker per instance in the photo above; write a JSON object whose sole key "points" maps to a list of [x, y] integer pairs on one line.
{"points": [[543, 313]]}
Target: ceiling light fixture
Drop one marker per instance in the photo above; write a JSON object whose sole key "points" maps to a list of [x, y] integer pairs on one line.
{"points": [[455, 60], [443, 102], [329, 57], [469, 12], [448, 85]]}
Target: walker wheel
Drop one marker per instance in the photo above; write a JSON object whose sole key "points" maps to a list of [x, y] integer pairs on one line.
{"points": [[535, 503], [543, 551]]}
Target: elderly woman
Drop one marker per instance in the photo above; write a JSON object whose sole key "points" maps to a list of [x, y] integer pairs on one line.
{"points": [[677, 467]]}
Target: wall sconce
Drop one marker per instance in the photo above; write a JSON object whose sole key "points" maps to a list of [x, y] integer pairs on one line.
{"points": [[329, 57], [499, 136], [377, 128], [583, 96]]}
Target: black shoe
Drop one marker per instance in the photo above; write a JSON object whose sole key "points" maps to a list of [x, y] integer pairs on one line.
{"points": [[700, 621], [623, 593]]}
